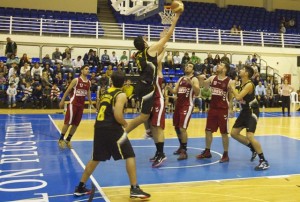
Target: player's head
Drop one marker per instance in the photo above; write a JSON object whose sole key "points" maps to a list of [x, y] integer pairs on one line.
{"points": [[118, 79], [139, 43], [85, 70], [223, 67], [189, 68], [247, 70]]}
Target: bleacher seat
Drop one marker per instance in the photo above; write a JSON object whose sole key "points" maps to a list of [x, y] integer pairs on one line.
{"points": [[35, 60]]}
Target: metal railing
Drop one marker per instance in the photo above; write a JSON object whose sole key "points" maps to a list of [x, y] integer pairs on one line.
{"points": [[70, 28]]}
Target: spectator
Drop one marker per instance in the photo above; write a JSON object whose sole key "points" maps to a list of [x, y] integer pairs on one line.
{"points": [[260, 93], [248, 61], [47, 60], [56, 56], [3, 68], [27, 94], [225, 59], [2, 81], [94, 82], [49, 70], [24, 59], [46, 80], [12, 59], [11, 48], [103, 81], [105, 60], [77, 64], [217, 60], [58, 80], [24, 69], [11, 95], [254, 59], [89, 58], [282, 29], [114, 60], [67, 64], [234, 30], [14, 79], [195, 59], [46, 96], [67, 52], [37, 96], [109, 71], [55, 92], [36, 72], [13, 70], [269, 96], [128, 89], [58, 69], [26, 79], [186, 58], [176, 60], [168, 60], [210, 60], [239, 29], [124, 62], [239, 66]]}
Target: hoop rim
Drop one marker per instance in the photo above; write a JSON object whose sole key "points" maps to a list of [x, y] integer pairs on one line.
{"points": [[167, 7]]}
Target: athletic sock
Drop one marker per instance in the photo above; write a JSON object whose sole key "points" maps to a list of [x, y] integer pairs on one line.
{"points": [[61, 136], [183, 146], [69, 137], [261, 157], [160, 147], [251, 147]]}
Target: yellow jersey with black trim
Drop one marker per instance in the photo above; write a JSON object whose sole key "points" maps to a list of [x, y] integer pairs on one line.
{"points": [[147, 66], [105, 116]]}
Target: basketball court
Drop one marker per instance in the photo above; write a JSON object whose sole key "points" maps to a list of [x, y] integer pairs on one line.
{"points": [[33, 168]]}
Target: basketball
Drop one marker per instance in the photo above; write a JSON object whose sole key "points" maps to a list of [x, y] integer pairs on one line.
{"points": [[177, 6]]}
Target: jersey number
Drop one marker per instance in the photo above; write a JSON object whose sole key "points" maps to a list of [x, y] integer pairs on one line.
{"points": [[101, 113]]}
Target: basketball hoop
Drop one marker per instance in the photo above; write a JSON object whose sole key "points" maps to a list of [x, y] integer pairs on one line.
{"points": [[167, 15]]}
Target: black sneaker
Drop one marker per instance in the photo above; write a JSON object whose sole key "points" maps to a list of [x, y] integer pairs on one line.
{"points": [[81, 191], [254, 154], [154, 157], [161, 157], [136, 192], [263, 165]]}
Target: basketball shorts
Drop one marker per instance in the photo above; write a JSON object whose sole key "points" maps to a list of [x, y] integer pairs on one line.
{"points": [[106, 146], [182, 116], [73, 114], [145, 94], [247, 119], [217, 118]]}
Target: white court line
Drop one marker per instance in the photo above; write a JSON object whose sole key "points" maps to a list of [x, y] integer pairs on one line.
{"points": [[82, 165]]}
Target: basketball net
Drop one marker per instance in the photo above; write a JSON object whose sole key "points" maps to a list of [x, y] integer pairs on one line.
{"points": [[167, 15]]}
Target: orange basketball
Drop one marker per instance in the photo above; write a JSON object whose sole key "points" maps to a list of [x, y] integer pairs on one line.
{"points": [[177, 6]]}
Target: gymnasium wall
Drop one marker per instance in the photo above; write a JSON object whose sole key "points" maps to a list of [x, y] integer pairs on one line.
{"points": [[83, 6]]}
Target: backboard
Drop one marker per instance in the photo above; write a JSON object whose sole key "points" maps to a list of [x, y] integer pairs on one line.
{"points": [[140, 8]]}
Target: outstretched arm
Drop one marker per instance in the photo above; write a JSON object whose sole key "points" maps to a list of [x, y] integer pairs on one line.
{"points": [[158, 47]]}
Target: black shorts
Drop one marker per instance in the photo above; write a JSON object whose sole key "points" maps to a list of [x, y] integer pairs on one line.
{"points": [[145, 94], [106, 146], [247, 119]]}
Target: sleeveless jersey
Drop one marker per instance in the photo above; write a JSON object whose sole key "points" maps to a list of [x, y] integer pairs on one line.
{"points": [[158, 93], [249, 102], [147, 66], [219, 93], [185, 93], [105, 116], [80, 90]]}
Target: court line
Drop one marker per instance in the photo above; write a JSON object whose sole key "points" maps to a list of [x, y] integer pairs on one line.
{"points": [[82, 165]]}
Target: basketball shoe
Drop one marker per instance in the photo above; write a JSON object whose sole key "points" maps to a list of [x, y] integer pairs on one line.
{"points": [[254, 154], [154, 157], [61, 144], [69, 145], [263, 165], [204, 155], [161, 157], [182, 155], [80, 191], [177, 152], [136, 192]]}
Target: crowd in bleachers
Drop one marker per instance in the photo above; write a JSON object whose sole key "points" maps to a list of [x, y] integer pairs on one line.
{"points": [[40, 83]]}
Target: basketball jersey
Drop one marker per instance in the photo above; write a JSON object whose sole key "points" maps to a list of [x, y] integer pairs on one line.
{"points": [[105, 116], [185, 93], [79, 92], [249, 102], [219, 93], [158, 93], [147, 66]]}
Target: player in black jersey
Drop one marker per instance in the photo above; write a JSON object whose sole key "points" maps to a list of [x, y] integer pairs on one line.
{"points": [[248, 116], [108, 130], [146, 60]]}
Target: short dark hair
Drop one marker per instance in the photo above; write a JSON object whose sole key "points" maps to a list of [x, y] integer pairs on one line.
{"points": [[84, 67], [139, 43], [118, 79], [188, 63], [250, 71]]}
